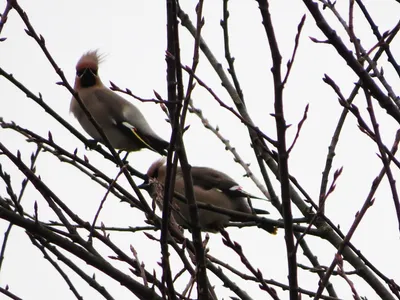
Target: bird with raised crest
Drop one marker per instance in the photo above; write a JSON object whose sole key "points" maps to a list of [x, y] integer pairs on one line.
{"points": [[122, 123]]}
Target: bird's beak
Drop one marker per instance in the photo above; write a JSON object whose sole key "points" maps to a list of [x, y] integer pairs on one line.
{"points": [[144, 186]]}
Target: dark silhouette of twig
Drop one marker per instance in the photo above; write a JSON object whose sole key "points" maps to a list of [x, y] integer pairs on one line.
{"points": [[367, 82], [299, 126], [102, 204], [257, 273], [18, 207], [228, 56], [296, 45], [283, 153], [4, 17], [343, 244], [6, 292]]}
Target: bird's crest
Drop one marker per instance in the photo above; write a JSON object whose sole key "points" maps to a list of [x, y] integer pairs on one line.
{"points": [[155, 166], [90, 59]]}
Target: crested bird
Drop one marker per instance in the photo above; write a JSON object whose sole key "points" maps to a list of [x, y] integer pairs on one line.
{"points": [[210, 187], [122, 123]]}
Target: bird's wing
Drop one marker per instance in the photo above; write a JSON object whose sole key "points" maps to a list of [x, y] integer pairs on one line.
{"points": [[212, 179], [131, 121], [154, 143], [116, 105]]}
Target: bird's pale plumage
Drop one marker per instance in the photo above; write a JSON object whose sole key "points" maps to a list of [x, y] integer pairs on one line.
{"points": [[210, 187], [123, 124]]}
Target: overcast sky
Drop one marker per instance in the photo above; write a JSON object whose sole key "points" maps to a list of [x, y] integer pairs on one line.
{"points": [[132, 36]]}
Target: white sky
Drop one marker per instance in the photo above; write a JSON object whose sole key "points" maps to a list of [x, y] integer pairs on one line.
{"points": [[133, 36]]}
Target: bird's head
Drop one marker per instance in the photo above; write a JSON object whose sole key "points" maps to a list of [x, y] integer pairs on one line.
{"points": [[156, 170], [87, 70]]}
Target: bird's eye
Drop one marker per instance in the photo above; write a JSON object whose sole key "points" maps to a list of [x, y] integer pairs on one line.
{"points": [[80, 72]]}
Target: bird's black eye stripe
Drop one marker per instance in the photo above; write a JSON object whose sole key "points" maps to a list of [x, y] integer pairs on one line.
{"points": [[80, 72], [155, 175]]}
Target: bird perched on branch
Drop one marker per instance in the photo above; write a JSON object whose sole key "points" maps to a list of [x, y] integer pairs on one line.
{"points": [[123, 124], [210, 187]]}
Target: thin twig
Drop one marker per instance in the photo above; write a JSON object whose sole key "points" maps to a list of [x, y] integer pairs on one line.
{"points": [[25, 182], [343, 245], [299, 126], [283, 154], [4, 17], [111, 185], [228, 56], [296, 45], [257, 273]]}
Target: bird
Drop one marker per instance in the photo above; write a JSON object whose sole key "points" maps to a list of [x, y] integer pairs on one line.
{"points": [[210, 187], [124, 125]]}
